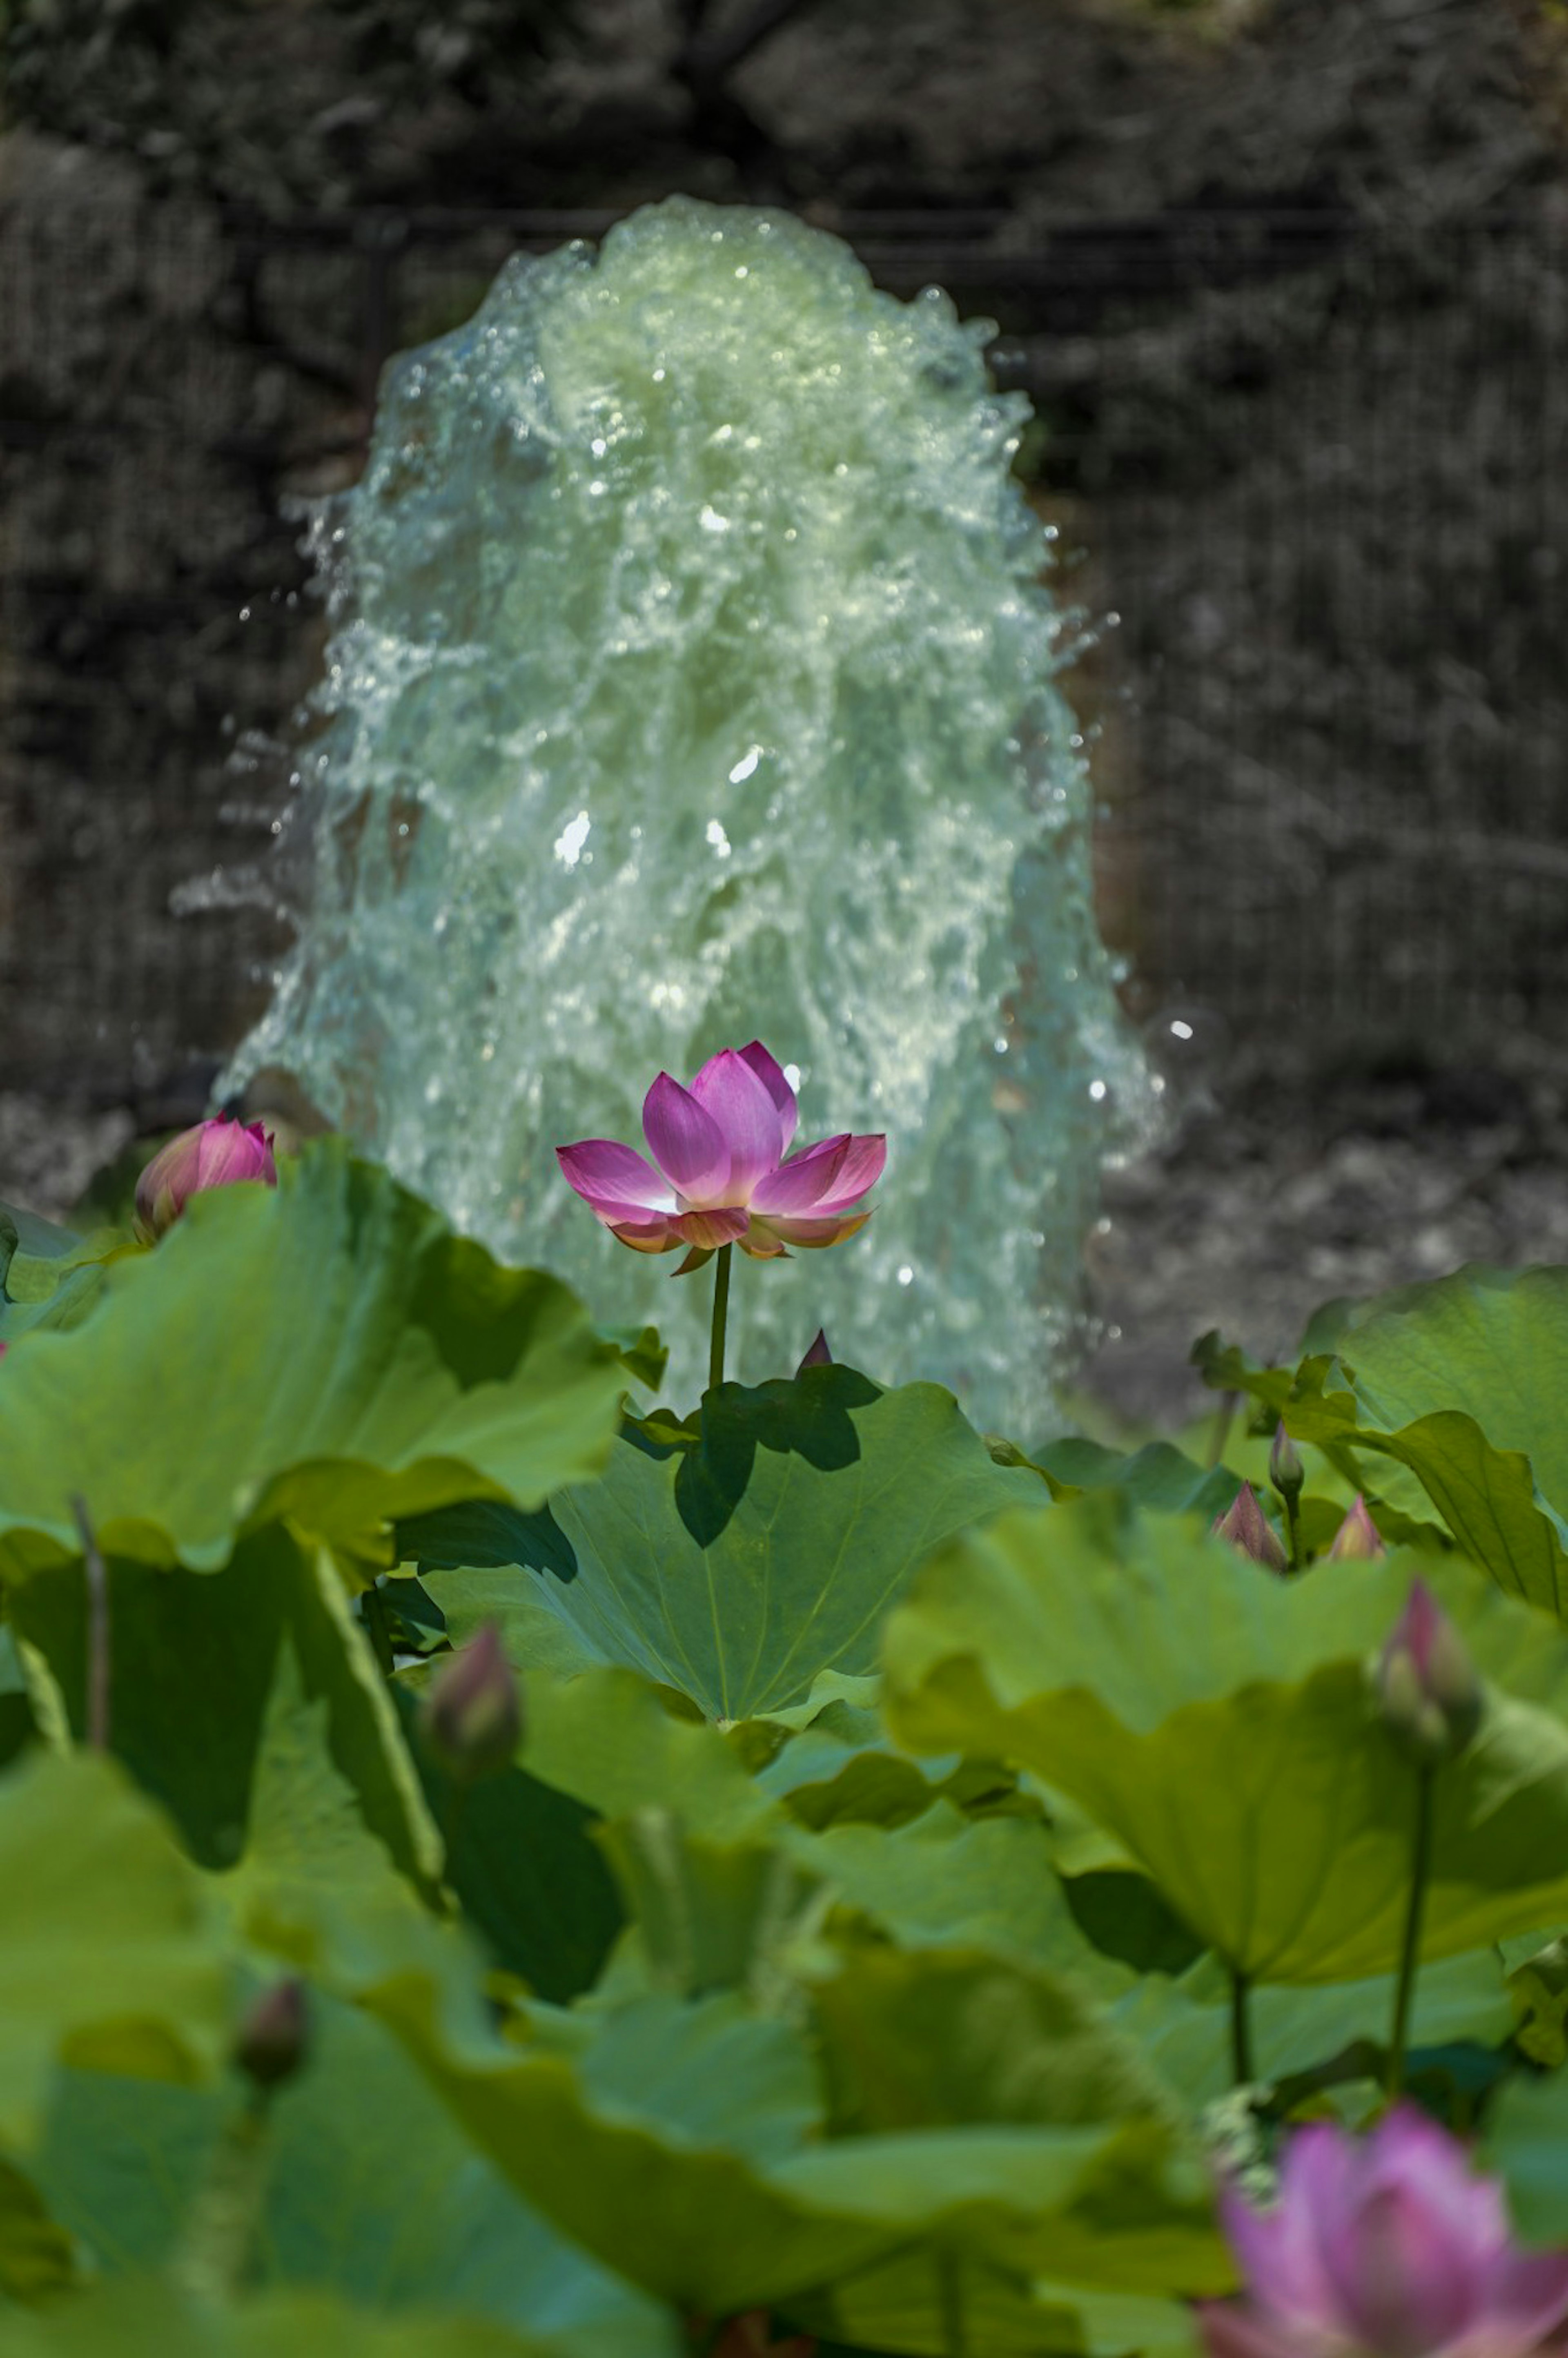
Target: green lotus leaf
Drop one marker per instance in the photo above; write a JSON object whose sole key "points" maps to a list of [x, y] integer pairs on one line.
{"points": [[906, 2305], [1183, 2026], [765, 1544], [682, 2142], [610, 1740], [1217, 1722], [1456, 1383], [160, 2321], [112, 1952], [949, 1880], [36, 2254], [345, 1358], [121, 2165], [1526, 2139], [711, 1916], [1156, 1475], [522, 1860], [194, 1658]]}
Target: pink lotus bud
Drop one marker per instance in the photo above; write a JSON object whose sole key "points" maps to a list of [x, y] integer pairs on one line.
{"points": [[817, 1356], [472, 1721], [1248, 1529], [272, 2040], [213, 1154], [1383, 2245], [1357, 1540], [1427, 1688], [1286, 1471]]}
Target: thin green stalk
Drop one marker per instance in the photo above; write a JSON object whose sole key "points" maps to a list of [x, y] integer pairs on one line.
{"points": [[1292, 1526], [1409, 1954], [96, 1574], [1220, 1432], [720, 1315], [950, 2304], [372, 1605], [1240, 2030]]}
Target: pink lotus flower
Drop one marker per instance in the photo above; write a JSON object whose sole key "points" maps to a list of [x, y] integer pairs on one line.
{"points": [[213, 1154], [722, 1176], [1385, 2247]]}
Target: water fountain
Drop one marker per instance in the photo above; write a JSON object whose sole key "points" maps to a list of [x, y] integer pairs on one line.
{"points": [[690, 678]]}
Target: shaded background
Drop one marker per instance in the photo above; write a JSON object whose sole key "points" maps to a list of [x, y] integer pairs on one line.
{"points": [[1286, 284]]}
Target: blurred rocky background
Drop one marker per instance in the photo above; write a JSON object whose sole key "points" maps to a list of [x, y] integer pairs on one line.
{"points": [[1285, 280]]}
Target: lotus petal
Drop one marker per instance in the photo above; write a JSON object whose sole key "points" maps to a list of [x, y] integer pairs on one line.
{"points": [[862, 1169], [738, 1100], [812, 1234], [718, 1224], [616, 1177], [684, 1140], [646, 1235], [771, 1075], [801, 1184]]}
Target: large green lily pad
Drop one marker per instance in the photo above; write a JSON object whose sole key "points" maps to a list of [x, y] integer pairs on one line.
{"points": [[111, 1953], [763, 1542], [345, 1358], [1215, 1721]]}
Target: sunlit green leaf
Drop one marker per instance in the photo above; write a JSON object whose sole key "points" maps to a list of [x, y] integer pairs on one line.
{"points": [[769, 1545], [345, 1360], [111, 1951], [193, 1658], [122, 2164], [1217, 1722]]}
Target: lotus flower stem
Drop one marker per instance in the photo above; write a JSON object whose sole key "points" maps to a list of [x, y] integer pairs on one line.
{"points": [[950, 2303], [720, 1314], [1240, 2028], [1409, 1954], [1220, 1432], [96, 1574]]}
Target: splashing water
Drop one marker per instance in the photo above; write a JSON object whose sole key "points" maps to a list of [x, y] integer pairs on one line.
{"points": [[691, 679]]}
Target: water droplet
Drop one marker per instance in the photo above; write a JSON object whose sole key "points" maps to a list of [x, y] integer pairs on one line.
{"points": [[746, 764], [567, 846], [1180, 1031], [711, 520], [1097, 1090], [792, 1074], [717, 838], [906, 1275]]}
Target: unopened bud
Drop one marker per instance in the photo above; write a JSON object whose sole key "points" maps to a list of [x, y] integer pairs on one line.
{"points": [[213, 1154], [1428, 1692], [819, 1355], [1247, 1529], [1286, 1471], [272, 2040], [1357, 1540], [471, 1720]]}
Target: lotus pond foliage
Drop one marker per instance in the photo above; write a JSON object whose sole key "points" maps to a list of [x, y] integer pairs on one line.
{"points": [[499, 1862]]}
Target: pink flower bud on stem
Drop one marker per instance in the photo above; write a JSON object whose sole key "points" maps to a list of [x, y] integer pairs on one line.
{"points": [[1288, 1475], [1430, 1700], [272, 2040], [818, 1354], [472, 1719], [1357, 1540], [1248, 1530], [213, 1154]]}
